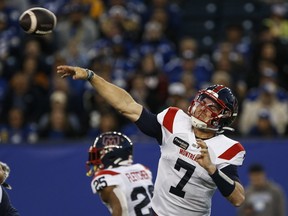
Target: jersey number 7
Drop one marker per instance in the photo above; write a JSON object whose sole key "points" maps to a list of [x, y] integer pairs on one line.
{"points": [[190, 170]]}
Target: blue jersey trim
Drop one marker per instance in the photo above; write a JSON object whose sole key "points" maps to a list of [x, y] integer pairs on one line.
{"points": [[148, 124]]}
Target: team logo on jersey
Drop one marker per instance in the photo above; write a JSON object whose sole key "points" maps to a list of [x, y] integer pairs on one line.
{"points": [[181, 143]]}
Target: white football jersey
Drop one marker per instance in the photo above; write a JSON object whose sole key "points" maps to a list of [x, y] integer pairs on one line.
{"points": [[135, 181], [182, 186]]}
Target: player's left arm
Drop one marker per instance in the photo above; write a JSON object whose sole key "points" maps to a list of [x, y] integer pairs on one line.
{"points": [[116, 200], [226, 179], [237, 196], [228, 183]]}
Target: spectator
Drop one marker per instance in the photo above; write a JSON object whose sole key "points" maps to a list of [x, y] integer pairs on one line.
{"points": [[116, 49], [222, 78], [155, 81], [59, 122], [269, 75], [189, 62], [155, 41], [160, 15], [9, 38], [17, 130], [138, 89], [75, 54], [171, 11], [38, 77], [267, 99], [238, 44], [103, 122], [10, 41], [277, 22], [128, 22], [136, 10], [21, 94], [96, 8], [263, 126], [78, 27], [263, 196], [190, 85], [177, 96], [268, 53], [231, 62], [265, 56]]}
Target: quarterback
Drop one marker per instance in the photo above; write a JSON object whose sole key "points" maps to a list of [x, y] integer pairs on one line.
{"points": [[196, 158]]}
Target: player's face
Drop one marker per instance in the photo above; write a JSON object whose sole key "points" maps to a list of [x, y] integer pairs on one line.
{"points": [[206, 109]]}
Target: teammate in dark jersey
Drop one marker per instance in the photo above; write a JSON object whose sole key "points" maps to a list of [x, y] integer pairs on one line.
{"points": [[196, 158], [6, 208]]}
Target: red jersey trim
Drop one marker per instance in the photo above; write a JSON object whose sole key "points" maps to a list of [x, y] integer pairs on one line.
{"points": [[106, 172], [232, 151], [169, 118]]}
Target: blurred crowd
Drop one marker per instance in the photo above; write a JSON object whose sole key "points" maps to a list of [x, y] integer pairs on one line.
{"points": [[138, 45]]}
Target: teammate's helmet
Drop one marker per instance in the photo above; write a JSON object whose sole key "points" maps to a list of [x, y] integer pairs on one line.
{"points": [[220, 119], [110, 149]]}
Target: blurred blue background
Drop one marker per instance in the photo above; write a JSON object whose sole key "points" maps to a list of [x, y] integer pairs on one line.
{"points": [[51, 179]]}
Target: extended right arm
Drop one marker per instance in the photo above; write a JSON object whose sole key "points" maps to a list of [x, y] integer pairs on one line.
{"points": [[117, 97]]}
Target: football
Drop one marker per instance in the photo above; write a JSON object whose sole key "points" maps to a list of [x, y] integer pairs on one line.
{"points": [[38, 21]]}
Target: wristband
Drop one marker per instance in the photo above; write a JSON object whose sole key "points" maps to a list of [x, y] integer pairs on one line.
{"points": [[90, 74], [225, 185]]}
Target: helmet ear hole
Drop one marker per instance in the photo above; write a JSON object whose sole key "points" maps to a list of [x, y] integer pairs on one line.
{"points": [[214, 123], [227, 114]]}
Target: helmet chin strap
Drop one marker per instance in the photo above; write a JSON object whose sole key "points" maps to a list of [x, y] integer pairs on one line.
{"points": [[201, 125], [228, 128], [91, 171]]}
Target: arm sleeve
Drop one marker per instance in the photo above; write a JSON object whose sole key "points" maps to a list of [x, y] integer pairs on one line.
{"points": [[232, 172], [148, 124]]}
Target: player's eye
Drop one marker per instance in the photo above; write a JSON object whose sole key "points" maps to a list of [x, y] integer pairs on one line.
{"points": [[213, 107]]}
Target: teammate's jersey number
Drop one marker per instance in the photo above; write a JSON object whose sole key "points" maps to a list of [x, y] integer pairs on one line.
{"points": [[178, 190], [100, 183], [134, 196]]}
